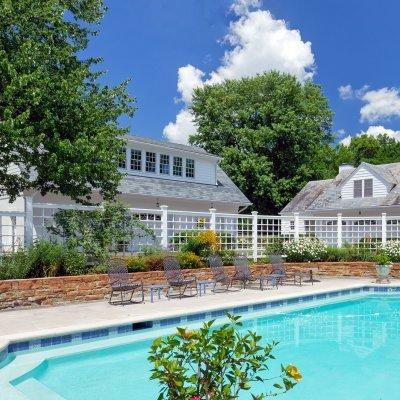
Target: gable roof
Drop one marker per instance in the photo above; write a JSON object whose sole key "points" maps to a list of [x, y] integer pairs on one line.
{"points": [[224, 192], [326, 194]]}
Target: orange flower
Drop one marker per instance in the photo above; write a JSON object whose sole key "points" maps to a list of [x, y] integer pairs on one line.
{"points": [[292, 371]]}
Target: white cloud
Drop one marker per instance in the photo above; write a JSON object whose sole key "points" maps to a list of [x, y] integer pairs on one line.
{"points": [[257, 43], [374, 131], [189, 78], [380, 104], [241, 7], [180, 130], [346, 92]]}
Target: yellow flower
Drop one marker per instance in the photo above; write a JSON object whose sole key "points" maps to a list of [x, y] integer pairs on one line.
{"points": [[292, 371], [211, 239]]}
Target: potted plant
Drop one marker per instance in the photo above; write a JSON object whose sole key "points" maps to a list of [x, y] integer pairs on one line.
{"points": [[383, 266]]}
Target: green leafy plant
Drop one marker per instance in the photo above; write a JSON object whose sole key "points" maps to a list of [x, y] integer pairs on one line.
{"points": [[216, 363], [189, 260], [42, 259], [99, 232], [382, 258]]}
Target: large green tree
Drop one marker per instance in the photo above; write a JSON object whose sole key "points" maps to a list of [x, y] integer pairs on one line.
{"points": [[272, 131], [57, 123], [375, 150]]}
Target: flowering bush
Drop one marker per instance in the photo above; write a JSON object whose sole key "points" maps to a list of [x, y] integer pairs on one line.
{"points": [[202, 243], [305, 249], [392, 249]]}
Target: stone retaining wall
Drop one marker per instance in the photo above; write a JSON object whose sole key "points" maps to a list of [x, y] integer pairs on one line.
{"points": [[68, 289]]}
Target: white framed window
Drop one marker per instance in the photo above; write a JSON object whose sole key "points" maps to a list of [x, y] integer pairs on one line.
{"points": [[122, 158], [177, 166], [189, 168], [363, 188], [136, 160], [150, 161], [164, 164]]}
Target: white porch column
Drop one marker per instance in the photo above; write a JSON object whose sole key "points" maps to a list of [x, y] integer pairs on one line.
{"points": [[164, 226], [28, 232], [213, 219], [296, 226], [254, 234], [339, 230], [384, 230]]}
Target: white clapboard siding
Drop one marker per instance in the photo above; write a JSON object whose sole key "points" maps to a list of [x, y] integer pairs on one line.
{"points": [[379, 187]]}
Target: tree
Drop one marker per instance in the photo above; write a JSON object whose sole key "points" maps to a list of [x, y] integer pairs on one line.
{"points": [[57, 123], [97, 232], [272, 131], [216, 363], [375, 150]]}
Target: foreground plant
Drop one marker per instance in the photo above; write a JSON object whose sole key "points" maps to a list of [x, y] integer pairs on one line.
{"points": [[216, 364]]}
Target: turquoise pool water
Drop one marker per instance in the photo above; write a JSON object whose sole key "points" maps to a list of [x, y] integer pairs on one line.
{"points": [[346, 350]]}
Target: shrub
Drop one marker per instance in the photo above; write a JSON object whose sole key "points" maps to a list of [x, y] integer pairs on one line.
{"points": [[304, 249], [202, 244], [188, 260], [100, 231], [392, 249], [227, 256], [216, 363], [135, 263], [382, 258], [42, 259]]}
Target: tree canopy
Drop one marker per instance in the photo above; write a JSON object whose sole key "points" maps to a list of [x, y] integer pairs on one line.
{"points": [[57, 123], [374, 150], [273, 132]]}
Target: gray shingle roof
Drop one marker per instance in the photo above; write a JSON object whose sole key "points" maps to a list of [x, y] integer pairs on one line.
{"points": [[225, 192], [325, 194]]}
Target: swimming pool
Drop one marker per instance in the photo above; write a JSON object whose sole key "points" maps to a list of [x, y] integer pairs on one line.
{"points": [[345, 350]]}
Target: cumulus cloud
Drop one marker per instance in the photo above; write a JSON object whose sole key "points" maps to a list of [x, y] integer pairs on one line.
{"points": [[346, 92], [257, 42], [374, 131], [180, 130], [241, 7], [380, 104]]}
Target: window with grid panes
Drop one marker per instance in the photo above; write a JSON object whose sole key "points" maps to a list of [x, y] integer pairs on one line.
{"points": [[177, 166], [164, 164], [150, 161], [136, 160], [189, 168]]}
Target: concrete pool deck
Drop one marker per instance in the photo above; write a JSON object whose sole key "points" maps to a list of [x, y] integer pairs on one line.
{"points": [[18, 325]]}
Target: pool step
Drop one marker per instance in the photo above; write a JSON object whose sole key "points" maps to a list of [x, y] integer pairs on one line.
{"points": [[34, 390]]}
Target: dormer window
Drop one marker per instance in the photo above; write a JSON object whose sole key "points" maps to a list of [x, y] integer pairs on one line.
{"points": [[363, 188], [150, 161], [189, 168], [164, 164], [136, 160], [122, 158], [177, 166]]}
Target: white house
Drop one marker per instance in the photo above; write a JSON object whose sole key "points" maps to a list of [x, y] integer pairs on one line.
{"points": [[367, 191], [157, 173], [360, 203]]}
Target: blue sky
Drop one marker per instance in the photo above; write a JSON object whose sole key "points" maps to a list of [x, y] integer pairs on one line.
{"points": [[352, 44]]}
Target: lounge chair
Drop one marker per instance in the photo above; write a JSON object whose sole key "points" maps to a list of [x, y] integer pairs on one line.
{"points": [[121, 283], [279, 271], [244, 274], [176, 279], [219, 274]]}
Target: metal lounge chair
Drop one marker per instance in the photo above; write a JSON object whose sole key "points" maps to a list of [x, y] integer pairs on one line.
{"points": [[176, 279], [219, 274], [279, 271], [244, 274], [121, 283]]}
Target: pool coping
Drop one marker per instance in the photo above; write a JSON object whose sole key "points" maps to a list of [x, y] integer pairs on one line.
{"points": [[82, 333]]}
